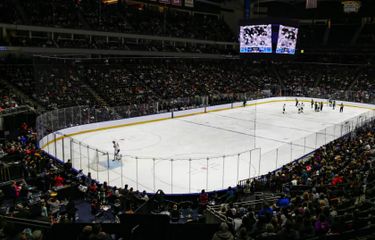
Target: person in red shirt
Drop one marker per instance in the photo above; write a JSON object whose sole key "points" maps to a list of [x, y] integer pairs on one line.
{"points": [[93, 190], [203, 200], [59, 181], [17, 189], [337, 180]]}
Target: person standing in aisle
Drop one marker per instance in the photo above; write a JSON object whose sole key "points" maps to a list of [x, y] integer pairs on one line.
{"points": [[341, 107]]}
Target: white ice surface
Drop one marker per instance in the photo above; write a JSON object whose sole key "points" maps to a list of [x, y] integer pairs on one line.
{"points": [[211, 135]]}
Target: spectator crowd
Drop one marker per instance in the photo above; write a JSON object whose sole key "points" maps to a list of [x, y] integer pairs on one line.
{"points": [[146, 20], [120, 82]]}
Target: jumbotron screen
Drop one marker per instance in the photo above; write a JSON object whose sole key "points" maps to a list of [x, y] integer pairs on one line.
{"points": [[287, 40], [256, 39]]}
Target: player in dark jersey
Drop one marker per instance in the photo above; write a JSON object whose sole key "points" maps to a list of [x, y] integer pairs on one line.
{"points": [[341, 107]]}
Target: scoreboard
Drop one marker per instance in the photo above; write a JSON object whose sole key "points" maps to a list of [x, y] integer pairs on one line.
{"points": [[256, 39], [286, 40], [268, 37]]}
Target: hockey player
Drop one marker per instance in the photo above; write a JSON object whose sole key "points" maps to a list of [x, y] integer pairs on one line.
{"points": [[333, 104], [321, 106], [296, 102], [284, 108], [302, 106], [341, 107], [116, 148], [298, 108], [312, 103]]}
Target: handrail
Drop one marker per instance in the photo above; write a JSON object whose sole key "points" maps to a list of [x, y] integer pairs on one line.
{"points": [[150, 200], [249, 203], [11, 181], [16, 110], [28, 222], [220, 216]]}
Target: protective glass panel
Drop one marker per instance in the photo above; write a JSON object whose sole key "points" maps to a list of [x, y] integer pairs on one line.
{"points": [[58, 146], [285, 155], [163, 175], [320, 139], [66, 149], [298, 149], [267, 163], [181, 176], [215, 173], [199, 173]]}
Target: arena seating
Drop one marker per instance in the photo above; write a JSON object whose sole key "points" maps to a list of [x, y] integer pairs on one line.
{"points": [[366, 38], [129, 81], [87, 14], [7, 99], [57, 88]]}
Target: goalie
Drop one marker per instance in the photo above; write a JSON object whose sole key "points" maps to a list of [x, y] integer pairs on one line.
{"points": [[116, 148]]}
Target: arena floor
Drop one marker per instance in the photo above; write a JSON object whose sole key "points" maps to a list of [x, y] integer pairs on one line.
{"points": [[224, 146]]}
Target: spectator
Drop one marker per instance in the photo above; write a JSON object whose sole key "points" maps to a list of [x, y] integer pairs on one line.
{"points": [[54, 206], [71, 211], [321, 225], [223, 233], [175, 213], [59, 181], [283, 202], [86, 232], [68, 166], [203, 200], [37, 235]]}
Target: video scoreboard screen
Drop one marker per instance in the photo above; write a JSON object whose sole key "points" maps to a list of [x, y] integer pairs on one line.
{"points": [[256, 39], [287, 40], [268, 37]]}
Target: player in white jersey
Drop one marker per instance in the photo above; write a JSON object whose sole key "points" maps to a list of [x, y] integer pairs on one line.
{"points": [[116, 148], [299, 108]]}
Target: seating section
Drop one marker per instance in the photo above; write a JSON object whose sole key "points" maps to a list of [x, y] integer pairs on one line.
{"points": [[87, 14], [122, 82]]}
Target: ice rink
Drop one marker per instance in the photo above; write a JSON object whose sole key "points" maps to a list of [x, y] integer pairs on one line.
{"points": [[211, 150]]}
